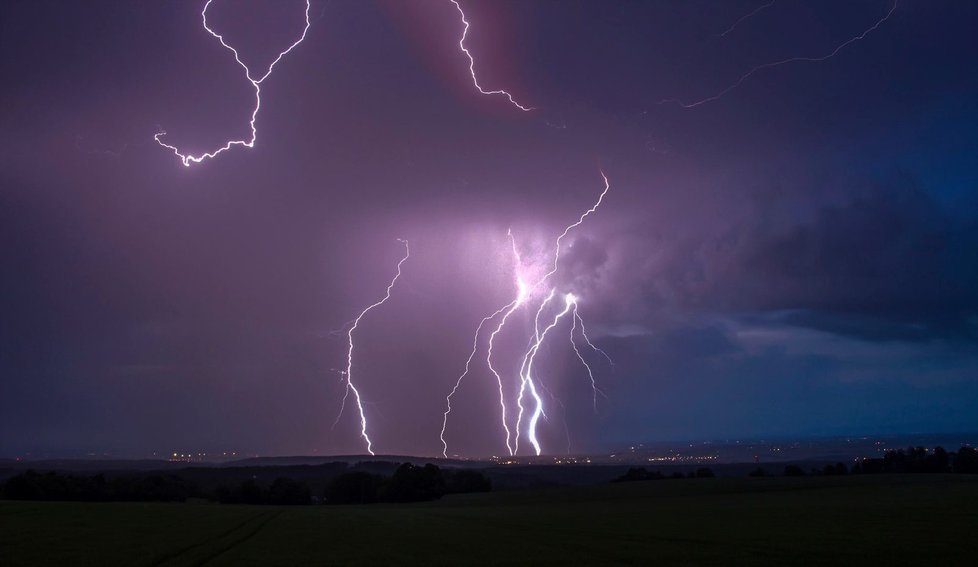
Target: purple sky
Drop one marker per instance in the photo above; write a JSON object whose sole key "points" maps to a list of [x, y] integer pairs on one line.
{"points": [[794, 258]]}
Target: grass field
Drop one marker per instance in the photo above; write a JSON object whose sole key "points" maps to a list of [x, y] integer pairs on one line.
{"points": [[869, 520]]}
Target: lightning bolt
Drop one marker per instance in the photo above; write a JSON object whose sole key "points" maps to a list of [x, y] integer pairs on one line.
{"points": [[528, 385], [588, 340], [594, 385], [526, 380], [742, 18], [348, 373], [748, 74], [188, 159], [475, 80]]}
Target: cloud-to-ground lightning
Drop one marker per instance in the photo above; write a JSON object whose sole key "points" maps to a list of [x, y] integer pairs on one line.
{"points": [[751, 72], [594, 385], [348, 373], [528, 383], [186, 158], [475, 79], [747, 16]]}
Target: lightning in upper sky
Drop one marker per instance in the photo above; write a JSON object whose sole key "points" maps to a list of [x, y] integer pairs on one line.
{"points": [[475, 80], [189, 159], [528, 381], [761, 67], [348, 373], [747, 16]]}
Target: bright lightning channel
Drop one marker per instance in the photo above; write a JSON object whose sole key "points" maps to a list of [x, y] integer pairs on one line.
{"points": [[475, 80], [526, 380], [188, 159], [348, 373], [527, 383], [748, 74]]}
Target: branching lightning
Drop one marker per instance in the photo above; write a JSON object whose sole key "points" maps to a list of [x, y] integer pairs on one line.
{"points": [[348, 373], [475, 80], [528, 383], [764, 66], [188, 159], [590, 374]]}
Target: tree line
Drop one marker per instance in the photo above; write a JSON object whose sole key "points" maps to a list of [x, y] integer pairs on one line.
{"points": [[408, 483], [913, 460]]}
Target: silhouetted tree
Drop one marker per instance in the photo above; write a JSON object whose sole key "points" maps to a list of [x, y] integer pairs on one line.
{"points": [[966, 461], [23, 487], [793, 470], [639, 473], [414, 484]]}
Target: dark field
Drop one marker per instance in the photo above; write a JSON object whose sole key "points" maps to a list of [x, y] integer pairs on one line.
{"points": [[869, 520]]}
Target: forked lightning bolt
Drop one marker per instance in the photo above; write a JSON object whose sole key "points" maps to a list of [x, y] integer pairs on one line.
{"points": [[764, 66], [475, 80], [348, 373], [189, 159], [528, 382]]}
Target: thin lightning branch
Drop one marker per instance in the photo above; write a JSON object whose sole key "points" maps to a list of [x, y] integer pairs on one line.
{"points": [[536, 320], [597, 204], [468, 362], [349, 353], [748, 74], [502, 397], [475, 81], [188, 159], [742, 18], [594, 385], [580, 323], [508, 308]]}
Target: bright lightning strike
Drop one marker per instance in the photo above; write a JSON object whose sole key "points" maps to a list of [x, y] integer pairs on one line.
{"points": [[748, 74], [475, 80], [348, 373], [188, 159], [528, 382]]}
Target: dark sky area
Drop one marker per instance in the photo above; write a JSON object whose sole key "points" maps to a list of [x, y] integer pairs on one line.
{"points": [[797, 257]]}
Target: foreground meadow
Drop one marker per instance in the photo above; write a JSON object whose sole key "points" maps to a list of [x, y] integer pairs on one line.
{"points": [[869, 520]]}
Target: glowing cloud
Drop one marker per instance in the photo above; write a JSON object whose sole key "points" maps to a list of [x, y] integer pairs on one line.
{"points": [[527, 381]]}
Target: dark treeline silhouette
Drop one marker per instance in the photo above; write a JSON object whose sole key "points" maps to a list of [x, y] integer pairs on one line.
{"points": [[640, 473], [899, 461], [409, 483], [54, 486], [912, 460], [920, 460]]}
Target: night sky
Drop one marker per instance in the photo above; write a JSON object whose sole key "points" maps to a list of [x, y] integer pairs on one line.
{"points": [[797, 257]]}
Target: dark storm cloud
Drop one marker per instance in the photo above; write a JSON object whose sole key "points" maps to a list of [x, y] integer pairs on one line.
{"points": [[799, 259], [882, 261]]}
